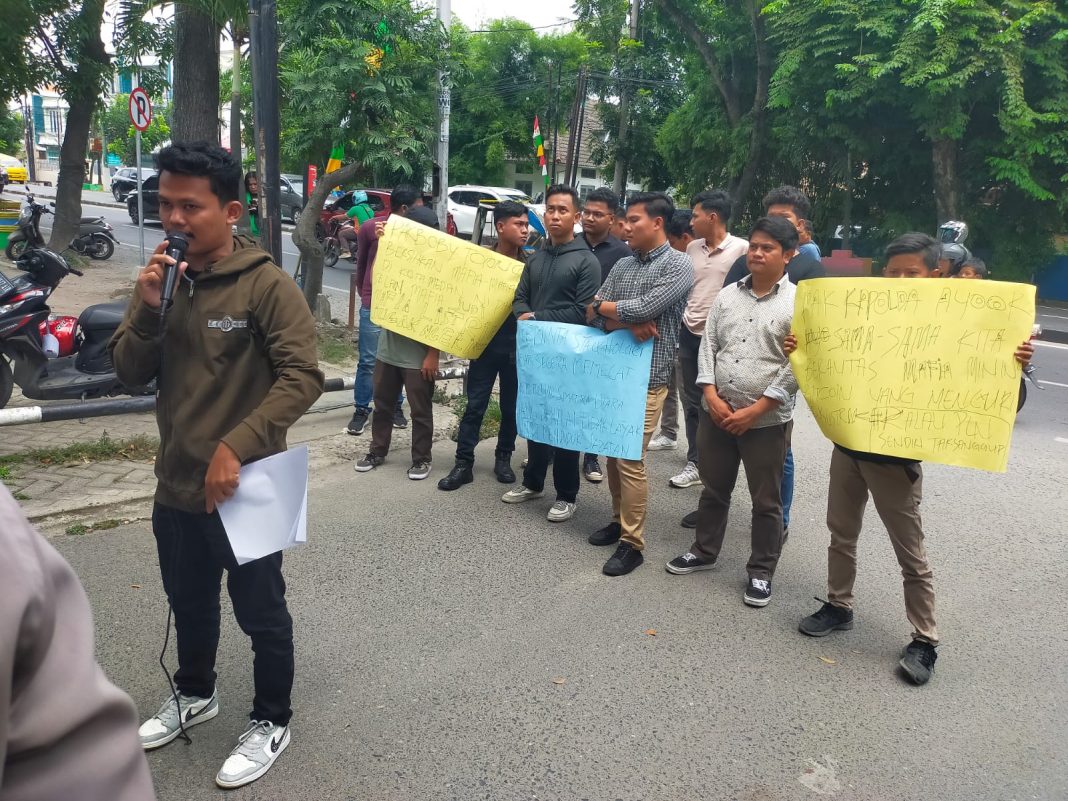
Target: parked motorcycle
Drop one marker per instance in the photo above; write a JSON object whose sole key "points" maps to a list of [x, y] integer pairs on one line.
{"points": [[95, 237], [50, 357]]}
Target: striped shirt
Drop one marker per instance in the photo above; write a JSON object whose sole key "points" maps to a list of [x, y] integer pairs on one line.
{"points": [[653, 286], [741, 352]]}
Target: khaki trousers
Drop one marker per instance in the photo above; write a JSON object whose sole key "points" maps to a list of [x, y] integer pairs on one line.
{"points": [[628, 481], [896, 490]]}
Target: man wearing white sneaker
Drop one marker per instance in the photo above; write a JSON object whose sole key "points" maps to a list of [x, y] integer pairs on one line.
{"points": [[712, 254], [557, 283], [236, 366]]}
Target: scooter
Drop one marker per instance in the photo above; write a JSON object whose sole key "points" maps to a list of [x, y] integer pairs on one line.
{"points": [[95, 239], [54, 358]]}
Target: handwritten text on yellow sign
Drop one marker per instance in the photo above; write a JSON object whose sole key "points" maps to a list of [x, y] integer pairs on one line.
{"points": [[440, 290], [918, 368]]}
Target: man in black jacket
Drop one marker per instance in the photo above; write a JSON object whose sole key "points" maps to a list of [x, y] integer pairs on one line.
{"points": [[557, 284]]}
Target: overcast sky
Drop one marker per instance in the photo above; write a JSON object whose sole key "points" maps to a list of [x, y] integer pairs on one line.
{"points": [[542, 12]]}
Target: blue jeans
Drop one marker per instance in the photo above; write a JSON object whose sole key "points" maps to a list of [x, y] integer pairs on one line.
{"points": [[363, 392], [786, 489]]}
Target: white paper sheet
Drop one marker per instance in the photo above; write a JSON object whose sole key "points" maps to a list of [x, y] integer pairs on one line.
{"points": [[269, 511]]}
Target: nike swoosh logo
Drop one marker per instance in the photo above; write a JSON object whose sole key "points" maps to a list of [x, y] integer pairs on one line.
{"points": [[275, 743], [190, 714]]}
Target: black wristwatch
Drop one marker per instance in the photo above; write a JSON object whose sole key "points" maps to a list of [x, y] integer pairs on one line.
{"points": [[597, 307]]}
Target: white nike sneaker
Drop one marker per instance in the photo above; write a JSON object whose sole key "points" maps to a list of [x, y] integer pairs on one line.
{"points": [[257, 749], [662, 443], [163, 727]]}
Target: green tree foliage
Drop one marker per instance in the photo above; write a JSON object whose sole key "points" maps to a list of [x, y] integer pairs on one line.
{"points": [[501, 80], [114, 121], [362, 75], [11, 130], [946, 108]]}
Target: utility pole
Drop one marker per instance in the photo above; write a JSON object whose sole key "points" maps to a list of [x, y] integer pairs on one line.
{"points": [[441, 203], [263, 37], [619, 181], [31, 161], [578, 133], [572, 124], [556, 114]]}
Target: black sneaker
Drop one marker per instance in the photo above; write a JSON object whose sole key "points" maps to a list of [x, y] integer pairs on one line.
{"points": [[688, 563], [609, 535], [757, 592], [690, 521], [623, 561], [829, 618], [368, 463], [399, 420], [919, 661], [591, 469], [358, 422], [502, 468], [457, 477]]}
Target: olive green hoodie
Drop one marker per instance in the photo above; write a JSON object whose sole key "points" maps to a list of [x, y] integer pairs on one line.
{"points": [[239, 365]]}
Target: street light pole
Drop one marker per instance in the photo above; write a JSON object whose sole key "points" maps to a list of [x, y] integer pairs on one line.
{"points": [[444, 110]]}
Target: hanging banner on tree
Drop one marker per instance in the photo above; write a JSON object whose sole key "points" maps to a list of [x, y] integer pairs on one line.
{"points": [[917, 368], [582, 389], [441, 290]]}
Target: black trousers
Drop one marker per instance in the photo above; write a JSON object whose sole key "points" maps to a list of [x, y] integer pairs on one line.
{"points": [[193, 552], [565, 470], [481, 376]]}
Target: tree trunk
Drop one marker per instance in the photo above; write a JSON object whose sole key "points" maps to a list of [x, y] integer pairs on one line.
{"points": [[82, 96], [311, 250], [196, 76], [847, 203], [947, 194], [235, 116]]}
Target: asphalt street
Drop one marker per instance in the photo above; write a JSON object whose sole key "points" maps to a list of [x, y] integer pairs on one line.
{"points": [[452, 647]]}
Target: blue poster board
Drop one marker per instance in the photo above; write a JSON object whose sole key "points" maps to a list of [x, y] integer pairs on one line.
{"points": [[582, 389]]}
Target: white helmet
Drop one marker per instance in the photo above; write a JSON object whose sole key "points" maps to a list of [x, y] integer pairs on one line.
{"points": [[953, 232]]}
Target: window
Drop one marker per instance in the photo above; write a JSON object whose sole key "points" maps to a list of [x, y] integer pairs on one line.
{"points": [[375, 202], [589, 172], [526, 187], [465, 198]]}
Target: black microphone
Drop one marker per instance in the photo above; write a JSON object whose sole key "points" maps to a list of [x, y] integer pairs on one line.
{"points": [[176, 247]]}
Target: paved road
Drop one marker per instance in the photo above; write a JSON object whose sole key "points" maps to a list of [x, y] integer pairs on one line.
{"points": [[335, 280], [431, 627]]}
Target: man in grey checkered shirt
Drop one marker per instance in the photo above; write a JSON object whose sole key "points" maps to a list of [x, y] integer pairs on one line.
{"points": [[645, 293]]}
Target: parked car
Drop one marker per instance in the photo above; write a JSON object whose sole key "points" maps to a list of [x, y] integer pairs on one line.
{"points": [[292, 198], [124, 181], [296, 182], [16, 172], [150, 199], [464, 201], [378, 199]]}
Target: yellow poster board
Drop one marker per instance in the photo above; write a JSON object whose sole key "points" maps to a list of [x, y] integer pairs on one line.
{"points": [[441, 290], [921, 368]]}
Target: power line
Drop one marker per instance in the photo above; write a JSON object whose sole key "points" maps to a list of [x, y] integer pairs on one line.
{"points": [[513, 28]]}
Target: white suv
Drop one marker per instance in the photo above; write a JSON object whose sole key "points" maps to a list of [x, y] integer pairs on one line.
{"points": [[464, 200]]}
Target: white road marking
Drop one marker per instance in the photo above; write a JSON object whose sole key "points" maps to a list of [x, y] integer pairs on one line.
{"points": [[1062, 440], [1054, 316], [1056, 345], [1052, 384]]}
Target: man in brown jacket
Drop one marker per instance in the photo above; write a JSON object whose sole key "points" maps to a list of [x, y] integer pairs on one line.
{"points": [[65, 730], [236, 366]]}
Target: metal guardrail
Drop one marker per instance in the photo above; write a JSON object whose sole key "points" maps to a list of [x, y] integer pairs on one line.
{"points": [[108, 407]]}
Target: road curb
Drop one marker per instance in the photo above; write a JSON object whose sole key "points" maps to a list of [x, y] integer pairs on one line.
{"points": [[1053, 335]]}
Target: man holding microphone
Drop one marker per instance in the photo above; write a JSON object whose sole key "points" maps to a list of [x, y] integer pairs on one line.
{"points": [[236, 366]]}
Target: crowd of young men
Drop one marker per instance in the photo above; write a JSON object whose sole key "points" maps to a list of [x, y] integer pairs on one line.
{"points": [[719, 309]]}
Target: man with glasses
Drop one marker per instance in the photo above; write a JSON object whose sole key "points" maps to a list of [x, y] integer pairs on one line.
{"points": [[598, 218]]}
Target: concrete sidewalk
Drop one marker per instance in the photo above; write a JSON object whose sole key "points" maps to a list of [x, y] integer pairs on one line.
{"points": [[56, 495]]}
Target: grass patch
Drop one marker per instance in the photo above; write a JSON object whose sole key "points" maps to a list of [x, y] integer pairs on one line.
{"points": [[491, 421], [139, 448], [335, 345], [5, 473], [101, 525]]}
